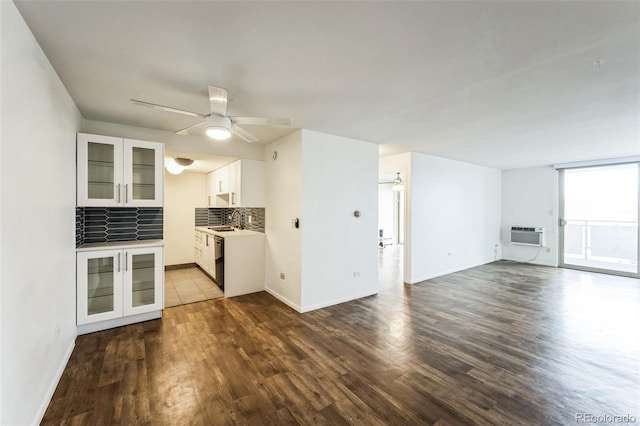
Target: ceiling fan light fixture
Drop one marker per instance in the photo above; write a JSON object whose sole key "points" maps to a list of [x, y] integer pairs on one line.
{"points": [[174, 168], [398, 184], [218, 133], [184, 162], [218, 127]]}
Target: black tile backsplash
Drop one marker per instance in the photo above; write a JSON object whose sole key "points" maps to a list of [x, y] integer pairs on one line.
{"points": [[79, 226], [202, 217], [108, 224], [220, 216]]}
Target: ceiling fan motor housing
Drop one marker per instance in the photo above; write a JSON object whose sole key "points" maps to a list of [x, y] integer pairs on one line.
{"points": [[219, 121]]}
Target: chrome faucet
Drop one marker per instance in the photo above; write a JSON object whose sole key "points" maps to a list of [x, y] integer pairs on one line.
{"points": [[239, 215]]}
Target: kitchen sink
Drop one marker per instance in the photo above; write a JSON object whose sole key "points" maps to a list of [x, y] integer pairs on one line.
{"points": [[221, 228]]}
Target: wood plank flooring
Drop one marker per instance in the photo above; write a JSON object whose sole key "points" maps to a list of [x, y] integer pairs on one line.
{"points": [[504, 344]]}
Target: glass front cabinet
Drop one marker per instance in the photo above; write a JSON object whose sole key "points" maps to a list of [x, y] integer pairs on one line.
{"points": [[118, 283], [119, 172]]}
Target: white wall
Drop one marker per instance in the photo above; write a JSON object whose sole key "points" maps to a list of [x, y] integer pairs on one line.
{"points": [[530, 198], [37, 193], [339, 176], [182, 194], [283, 204], [453, 214]]}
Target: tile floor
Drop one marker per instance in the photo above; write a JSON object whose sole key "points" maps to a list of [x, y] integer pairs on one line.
{"points": [[182, 286]]}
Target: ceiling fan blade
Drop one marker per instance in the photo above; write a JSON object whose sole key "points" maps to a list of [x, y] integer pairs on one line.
{"points": [[184, 131], [240, 132], [262, 121], [168, 108], [218, 100]]}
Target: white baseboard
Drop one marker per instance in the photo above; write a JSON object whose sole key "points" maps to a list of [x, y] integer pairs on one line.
{"points": [[338, 301], [283, 299], [117, 322], [54, 383], [533, 262], [447, 272]]}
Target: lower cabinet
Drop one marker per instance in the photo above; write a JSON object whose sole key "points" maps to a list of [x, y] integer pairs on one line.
{"points": [[119, 283], [205, 253]]}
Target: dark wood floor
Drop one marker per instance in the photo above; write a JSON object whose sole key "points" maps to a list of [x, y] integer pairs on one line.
{"points": [[499, 344]]}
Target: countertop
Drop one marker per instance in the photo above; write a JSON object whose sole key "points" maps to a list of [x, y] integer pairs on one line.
{"points": [[229, 234], [120, 245]]}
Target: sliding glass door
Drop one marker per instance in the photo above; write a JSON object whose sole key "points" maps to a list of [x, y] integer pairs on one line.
{"points": [[599, 219]]}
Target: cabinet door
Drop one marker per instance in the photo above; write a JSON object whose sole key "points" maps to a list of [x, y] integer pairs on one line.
{"points": [[211, 189], [199, 248], [235, 184], [99, 285], [143, 173], [222, 180], [209, 255], [99, 170], [248, 188], [143, 280]]}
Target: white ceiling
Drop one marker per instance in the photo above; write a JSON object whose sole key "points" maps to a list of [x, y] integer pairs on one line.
{"points": [[202, 163], [501, 84]]}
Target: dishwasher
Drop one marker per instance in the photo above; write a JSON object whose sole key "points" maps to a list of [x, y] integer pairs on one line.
{"points": [[219, 261]]}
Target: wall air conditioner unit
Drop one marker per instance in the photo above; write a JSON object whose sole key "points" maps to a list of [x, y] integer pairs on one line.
{"points": [[527, 236]]}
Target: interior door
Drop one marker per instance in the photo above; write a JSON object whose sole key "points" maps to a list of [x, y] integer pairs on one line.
{"points": [[599, 219]]}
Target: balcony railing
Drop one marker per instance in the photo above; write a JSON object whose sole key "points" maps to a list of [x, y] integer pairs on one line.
{"points": [[602, 244]]}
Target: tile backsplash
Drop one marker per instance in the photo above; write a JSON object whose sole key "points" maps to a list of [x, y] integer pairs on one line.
{"points": [[108, 224], [220, 216], [79, 226]]}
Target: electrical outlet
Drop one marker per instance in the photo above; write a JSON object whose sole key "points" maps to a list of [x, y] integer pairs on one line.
{"points": [[548, 250], [449, 254], [282, 275], [57, 332], [356, 274]]}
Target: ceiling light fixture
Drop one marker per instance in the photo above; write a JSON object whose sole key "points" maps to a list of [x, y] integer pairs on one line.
{"points": [[177, 165], [219, 127], [398, 184]]}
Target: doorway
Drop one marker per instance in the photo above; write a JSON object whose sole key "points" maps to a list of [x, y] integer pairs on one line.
{"points": [[599, 219], [391, 223]]}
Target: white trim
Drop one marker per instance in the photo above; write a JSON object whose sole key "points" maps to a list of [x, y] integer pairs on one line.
{"points": [[118, 322], [283, 299], [37, 419], [337, 301], [532, 262], [595, 163]]}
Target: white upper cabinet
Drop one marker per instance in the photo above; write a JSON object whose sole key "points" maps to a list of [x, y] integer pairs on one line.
{"points": [[119, 172], [222, 180], [246, 184], [143, 173], [211, 189], [99, 170], [238, 184], [235, 183]]}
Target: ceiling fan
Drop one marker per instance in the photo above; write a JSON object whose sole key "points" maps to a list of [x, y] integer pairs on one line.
{"points": [[220, 126]]}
